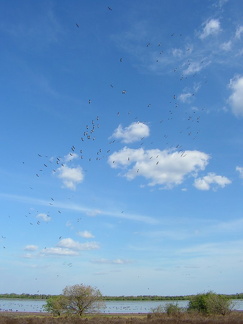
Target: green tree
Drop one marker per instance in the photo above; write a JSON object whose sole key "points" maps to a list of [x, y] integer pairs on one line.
{"points": [[82, 299], [210, 303], [56, 305]]}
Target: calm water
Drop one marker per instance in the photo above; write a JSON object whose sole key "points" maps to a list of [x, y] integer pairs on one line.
{"points": [[18, 305]]}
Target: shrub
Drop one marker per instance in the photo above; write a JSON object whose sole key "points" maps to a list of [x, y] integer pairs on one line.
{"points": [[210, 303], [158, 310], [173, 309]]}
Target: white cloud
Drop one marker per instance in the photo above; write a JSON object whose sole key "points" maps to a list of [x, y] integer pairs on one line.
{"points": [[211, 27], [70, 156], [226, 46], [187, 94], [236, 98], [240, 170], [31, 248], [106, 261], [239, 32], [195, 67], [176, 52], [93, 212], [85, 234], [71, 177], [211, 179], [185, 97], [134, 132], [74, 245], [168, 168], [59, 251], [44, 217]]}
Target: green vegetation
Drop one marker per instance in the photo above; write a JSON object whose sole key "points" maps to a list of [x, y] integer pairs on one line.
{"points": [[77, 299], [55, 305], [210, 304], [110, 298], [170, 309]]}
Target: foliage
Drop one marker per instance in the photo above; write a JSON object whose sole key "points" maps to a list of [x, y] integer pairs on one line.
{"points": [[210, 303], [170, 309], [140, 297], [82, 299], [158, 310], [173, 309], [56, 305]]}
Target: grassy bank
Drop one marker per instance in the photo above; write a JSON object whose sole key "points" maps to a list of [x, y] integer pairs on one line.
{"points": [[235, 317]]}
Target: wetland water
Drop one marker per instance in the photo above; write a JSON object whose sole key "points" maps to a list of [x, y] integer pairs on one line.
{"points": [[33, 305]]}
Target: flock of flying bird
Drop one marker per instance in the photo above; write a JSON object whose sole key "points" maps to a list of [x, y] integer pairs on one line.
{"points": [[167, 136]]}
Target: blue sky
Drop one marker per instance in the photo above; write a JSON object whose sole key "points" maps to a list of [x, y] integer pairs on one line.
{"points": [[121, 141]]}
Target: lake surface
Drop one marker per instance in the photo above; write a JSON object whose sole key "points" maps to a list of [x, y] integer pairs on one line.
{"points": [[33, 305]]}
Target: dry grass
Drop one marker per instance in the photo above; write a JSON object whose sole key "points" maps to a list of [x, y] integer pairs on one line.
{"points": [[235, 317]]}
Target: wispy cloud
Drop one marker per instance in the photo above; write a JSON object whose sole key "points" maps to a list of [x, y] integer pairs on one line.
{"points": [[210, 27], [89, 211], [85, 234], [187, 94], [240, 170], [44, 217], [215, 249], [194, 66], [31, 247], [236, 98], [239, 32], [107, 261]]}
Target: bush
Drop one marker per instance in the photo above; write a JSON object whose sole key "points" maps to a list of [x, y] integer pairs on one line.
{"points": [[173, 309], [170, 309], [210, 303], [55, 305]]}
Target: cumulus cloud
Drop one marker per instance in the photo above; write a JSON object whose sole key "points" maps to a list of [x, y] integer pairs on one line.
{"points": [[211, 27], [71, 176], [44, 217], [132, 133], [240, 170], [211, 179], [74, 245], [68, 246], [167, 167], [236, 98], [85, 234]]}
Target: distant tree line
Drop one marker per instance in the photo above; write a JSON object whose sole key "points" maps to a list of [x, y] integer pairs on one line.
{"points": [[110, 298], [25, 296]]}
